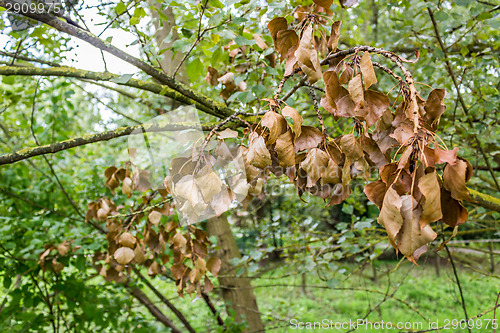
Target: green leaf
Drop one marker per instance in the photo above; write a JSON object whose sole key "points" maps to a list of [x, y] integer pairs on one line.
{"points": [[484, 16], [240, 40], [120, 8], [194, 70], [464, 51]]}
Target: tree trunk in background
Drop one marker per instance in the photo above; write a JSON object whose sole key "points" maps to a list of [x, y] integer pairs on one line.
{"points": [[168, 63], [237, 292]]}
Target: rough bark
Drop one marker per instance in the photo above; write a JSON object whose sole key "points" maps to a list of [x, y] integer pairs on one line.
{"points": [[237, 292]]}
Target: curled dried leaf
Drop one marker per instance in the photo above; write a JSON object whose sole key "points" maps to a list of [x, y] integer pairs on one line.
{"points": [[124, 255]]}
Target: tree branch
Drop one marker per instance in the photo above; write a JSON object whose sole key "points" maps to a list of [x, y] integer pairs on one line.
{"points": [[103, 76], [153, 309], [484, 200], [217, 107], [92, 138]]}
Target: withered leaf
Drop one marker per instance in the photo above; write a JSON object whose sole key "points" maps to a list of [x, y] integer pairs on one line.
{"points": [[445, 156], [340, 193], [285, 149], [275, 123], [402, 134], [307, 56], [208, 182], [295, 117], [259, 41], [154, 217], [179, 241], [214, 265], [323, 3], [350, 147], [124, 255], [434, 107], [431, 199], [221, 202], [454, 179], [212, 76], [454, 213], [375, 192], [139, 256], [333, 40], [366, 66], [411, 236], [275, 25], [355, 88], [207, 286], [390, 215], [127, 240], [333, 173], [371, 148], [310, 137], [178, 270], [315, 165], [186, 189], [376, 104], [286, 40], [347, 74], [257, 154]]}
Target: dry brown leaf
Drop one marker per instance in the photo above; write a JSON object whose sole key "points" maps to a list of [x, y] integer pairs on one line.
{"points": [[366, 66], [208, 182], [411, 236], [310, 137], [285, 149], [154, 217], [390, 215], [350, 147], [258, 155], [454, 179], [454, 213], [214, 265], [445, 156], [333, 173], [376, 104], [296, 118], [434, 107], [275, 123], [275, 25], [124, 255], [127, 240], [286, 40], [375, 192], [355, 88], [333, 40], [431, 199], [323, 3], [315, 165], [259, 41], [212, 76]]}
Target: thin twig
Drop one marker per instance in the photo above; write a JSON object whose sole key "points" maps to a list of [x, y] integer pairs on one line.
{"points": [[458, 284]]}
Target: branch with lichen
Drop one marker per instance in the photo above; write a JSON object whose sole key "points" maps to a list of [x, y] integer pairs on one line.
{"points": [[93, 138], [64, 71], [217, 107]]}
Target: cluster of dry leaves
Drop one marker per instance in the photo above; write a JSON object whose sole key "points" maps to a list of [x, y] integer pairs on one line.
{"points": [[400, 141], [140, 235]]}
